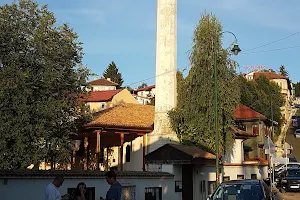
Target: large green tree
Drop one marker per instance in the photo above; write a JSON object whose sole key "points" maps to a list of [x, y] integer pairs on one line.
{"points": [[41, 79], [194, 118], [283, 71], [113, 73], [262, 96], [297, 89]]}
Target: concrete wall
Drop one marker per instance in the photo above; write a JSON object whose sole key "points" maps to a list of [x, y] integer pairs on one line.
{"points": [[34, 188], [236, 153], [103, 87], [233, 171]]}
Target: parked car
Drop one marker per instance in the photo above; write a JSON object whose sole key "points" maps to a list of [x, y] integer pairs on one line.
{"points": [[242, 190], [289, 181], [297, 133], [290, 165], [295, 123], [294, 118]]}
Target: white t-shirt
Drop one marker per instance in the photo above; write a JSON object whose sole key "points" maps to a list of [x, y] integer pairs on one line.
{"points": [[52, 193]]}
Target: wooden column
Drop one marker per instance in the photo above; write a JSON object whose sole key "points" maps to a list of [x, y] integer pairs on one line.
{"points": [[121, 151], [144, 151], [98, 149], [86, 143], [107, 159]]}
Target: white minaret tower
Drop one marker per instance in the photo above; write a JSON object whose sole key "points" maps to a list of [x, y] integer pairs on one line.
{"points": [[165, 88]]}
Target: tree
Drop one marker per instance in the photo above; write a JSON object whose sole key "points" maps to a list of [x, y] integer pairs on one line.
{"points": [[142, 85], [113, 73], [297, 89], [41, 80], [283, 71], [268, 70], [262, 96], [193, 119]]}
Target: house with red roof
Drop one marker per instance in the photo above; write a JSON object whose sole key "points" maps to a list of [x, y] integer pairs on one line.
{"points": [[100, 100], [283, 82], [247, 158], [101, 84], [144, 95]]}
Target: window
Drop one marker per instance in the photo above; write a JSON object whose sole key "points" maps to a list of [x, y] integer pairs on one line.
{"points": [[102, 105], [90, 193], [240, 177], [153, 193], [253, 176], [246, 155], [255, 130], [128, 151], [211, 187], [128, 193], [226, 178]]}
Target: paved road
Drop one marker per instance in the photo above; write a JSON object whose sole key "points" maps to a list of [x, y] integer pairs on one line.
{"points": [[295, 142]]}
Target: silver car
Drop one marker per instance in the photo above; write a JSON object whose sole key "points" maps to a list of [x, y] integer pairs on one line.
{"points": [[297, 133]]}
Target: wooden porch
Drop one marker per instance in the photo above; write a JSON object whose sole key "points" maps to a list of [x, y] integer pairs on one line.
{"points": [[112, 128]]}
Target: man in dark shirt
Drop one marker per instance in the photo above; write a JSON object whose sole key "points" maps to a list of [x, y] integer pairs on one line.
{"points": [[115, 190]]}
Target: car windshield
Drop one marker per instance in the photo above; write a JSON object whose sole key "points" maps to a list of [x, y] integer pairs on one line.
{"points": [[293, 173], [238, 192]]}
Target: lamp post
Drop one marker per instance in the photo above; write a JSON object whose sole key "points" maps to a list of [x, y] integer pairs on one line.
{"points": [[235, 50]]}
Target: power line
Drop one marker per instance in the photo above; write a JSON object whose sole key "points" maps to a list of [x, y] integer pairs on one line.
{"points": [[146, 79], [273, 41], [270, 50]]}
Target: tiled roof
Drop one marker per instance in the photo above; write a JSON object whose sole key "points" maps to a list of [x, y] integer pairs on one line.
{"points": [[243, 112], [129, 116], [145, 88], [103, 81], [101, 96], [193, 151], [78, 173], [268, 75]]}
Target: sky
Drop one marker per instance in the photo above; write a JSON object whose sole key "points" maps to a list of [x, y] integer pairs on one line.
{"points": [[124, 31]]}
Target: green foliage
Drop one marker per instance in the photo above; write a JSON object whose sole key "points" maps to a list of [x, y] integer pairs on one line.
{"points": [[283, 71], [143, 85], [262, 96], [297, 89], [194, 118], [113, 73], [40, 81]]}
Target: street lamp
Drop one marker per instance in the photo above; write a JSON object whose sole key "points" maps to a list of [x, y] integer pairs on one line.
{"points": [[235, 50]]}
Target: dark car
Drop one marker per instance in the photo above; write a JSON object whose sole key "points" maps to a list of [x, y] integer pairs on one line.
{"points": [[242, 190], [289, 180]]}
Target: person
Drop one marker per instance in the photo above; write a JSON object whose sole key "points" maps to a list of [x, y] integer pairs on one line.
{"points": [[115, 190], [52, 192], [80, 191]]}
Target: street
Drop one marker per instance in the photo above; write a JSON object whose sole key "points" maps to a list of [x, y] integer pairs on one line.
{"points": [[295, 142]]}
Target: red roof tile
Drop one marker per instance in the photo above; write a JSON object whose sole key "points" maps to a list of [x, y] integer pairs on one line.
{"points": [[268, 75], [145, 88], [102, 96], [244, 112], [103, 81]]}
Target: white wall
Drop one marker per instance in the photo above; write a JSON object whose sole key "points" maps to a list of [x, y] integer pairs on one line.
{"points": [[202, 173], [236, 153], [233, 171], [34, 188]]}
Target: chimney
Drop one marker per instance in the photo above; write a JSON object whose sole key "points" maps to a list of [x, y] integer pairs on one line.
{"points": [[109, 79]]}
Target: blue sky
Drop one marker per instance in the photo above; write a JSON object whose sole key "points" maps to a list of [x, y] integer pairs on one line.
{"points": [[125, 32]]}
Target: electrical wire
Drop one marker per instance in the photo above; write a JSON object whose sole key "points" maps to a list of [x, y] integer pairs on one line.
{"points": [[273, 41], [270, 50]]}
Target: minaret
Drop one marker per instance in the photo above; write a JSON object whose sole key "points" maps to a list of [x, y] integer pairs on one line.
{"points": [[165, 87]]}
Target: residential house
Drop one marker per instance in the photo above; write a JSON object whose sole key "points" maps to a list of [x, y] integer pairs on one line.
{"points": [[144, 95], [100, 100], [103, 84], [247, 159], [284, 84]]}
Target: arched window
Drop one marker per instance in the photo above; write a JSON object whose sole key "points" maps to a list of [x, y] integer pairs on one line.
{"points": [[128, 152]]}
